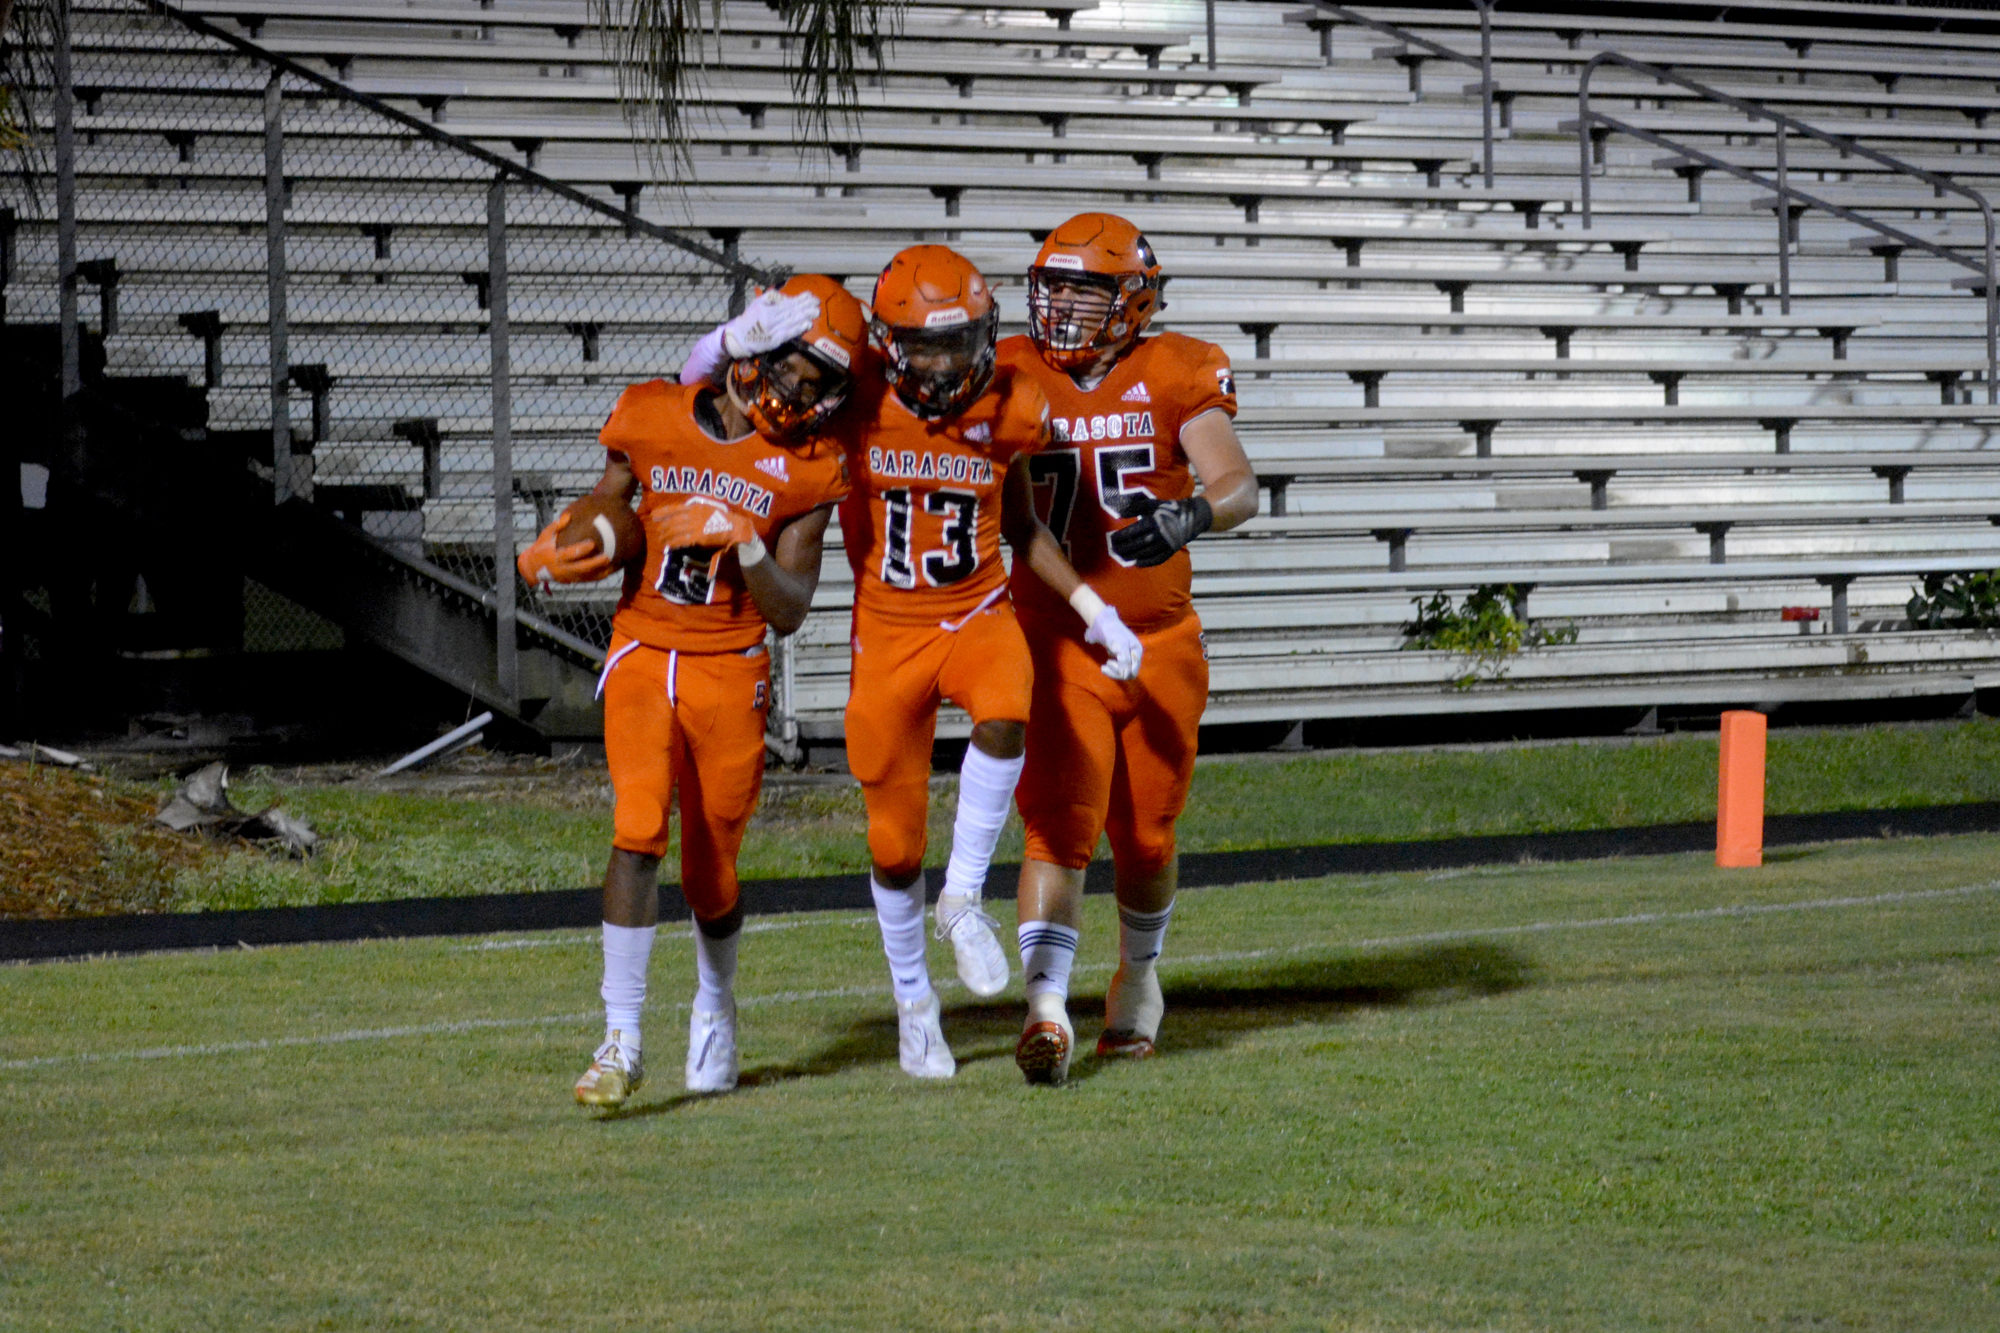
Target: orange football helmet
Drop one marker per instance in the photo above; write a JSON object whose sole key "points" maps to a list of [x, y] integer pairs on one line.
{"points": [[789, 392], [1091, 290], [936, 326]]}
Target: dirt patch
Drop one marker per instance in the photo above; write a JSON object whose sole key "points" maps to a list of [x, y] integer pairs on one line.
{"points": [[76, 844]]}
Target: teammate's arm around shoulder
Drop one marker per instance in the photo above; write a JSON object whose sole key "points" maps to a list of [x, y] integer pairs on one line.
{"points": [[1033, 542], [783, 578]]}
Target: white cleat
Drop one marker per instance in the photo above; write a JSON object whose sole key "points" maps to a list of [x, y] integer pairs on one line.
{"points": [[1132, 1014], [982, 963], [920, 1040], [711, 1063]]}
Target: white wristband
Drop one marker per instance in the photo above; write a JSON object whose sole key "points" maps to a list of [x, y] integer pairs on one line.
{"points": [[1087, 603], [750, 553]]}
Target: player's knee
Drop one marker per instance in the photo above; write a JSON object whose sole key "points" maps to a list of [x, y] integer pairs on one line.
{"points": [[898, 857], [896, 831], [713, 900], [723, 926], [640, 826], [1057, 841], [1143, 853], [1002, 738]]}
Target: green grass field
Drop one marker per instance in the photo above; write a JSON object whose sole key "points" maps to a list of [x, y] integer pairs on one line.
{"points": [[553, 834], [1542, 1097]]}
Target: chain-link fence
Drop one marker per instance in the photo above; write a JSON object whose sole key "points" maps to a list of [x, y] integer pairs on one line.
{"points": [[407, 330]]}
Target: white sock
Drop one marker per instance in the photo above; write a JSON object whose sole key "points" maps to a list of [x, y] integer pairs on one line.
{"points": [[627, 950], [1141, 936], [714, 969], [900, 913], [985, 794], [1048, 951]]}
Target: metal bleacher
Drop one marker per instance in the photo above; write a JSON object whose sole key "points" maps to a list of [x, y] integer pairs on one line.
{"points": [[1444, 384]]}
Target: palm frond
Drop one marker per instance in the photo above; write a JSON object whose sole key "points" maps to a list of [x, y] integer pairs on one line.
{"points": [[659, 48], [28, 34], [827, 36]]}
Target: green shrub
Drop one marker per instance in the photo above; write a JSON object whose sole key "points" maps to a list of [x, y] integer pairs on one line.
{"points": [[1956, 601], [1484, 630]]}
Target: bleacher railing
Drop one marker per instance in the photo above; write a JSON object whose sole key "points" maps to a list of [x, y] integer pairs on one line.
{"points": [[1593, 126], [428, 332], [1483, 62]]}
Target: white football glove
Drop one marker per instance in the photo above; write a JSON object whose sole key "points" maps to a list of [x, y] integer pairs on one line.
{"points": [[771, 320], [1123, 645]]}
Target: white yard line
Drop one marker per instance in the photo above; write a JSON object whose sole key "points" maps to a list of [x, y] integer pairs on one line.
{"points": [[1599, 923], [854, 992], [750, 928]]}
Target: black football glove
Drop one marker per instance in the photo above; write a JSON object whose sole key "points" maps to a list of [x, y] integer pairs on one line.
{"points": [[1164, 527]]}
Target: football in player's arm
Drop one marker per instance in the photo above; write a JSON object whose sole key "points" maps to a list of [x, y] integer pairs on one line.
{"points": [[937, 450], [1136, 421], [736, 486]]}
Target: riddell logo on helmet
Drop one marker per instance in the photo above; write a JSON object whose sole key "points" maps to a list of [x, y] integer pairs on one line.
{"points": [[938, 319], [1060, 260], [832, 351]]}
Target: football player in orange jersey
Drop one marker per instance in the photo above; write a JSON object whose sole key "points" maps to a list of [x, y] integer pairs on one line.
{"points": [[1136, 421], [735, 491], [933, 450]]}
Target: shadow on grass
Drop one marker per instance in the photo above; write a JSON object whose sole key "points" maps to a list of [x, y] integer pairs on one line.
{"points": [[1779, 856], [1205, 1010]]}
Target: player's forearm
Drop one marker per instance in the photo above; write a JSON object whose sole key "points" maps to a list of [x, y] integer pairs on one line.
{"points": [[617, 481], [1045, 557], [1232, 499], [1228, 483], [783, 596], [707, 361], [783, 578]]}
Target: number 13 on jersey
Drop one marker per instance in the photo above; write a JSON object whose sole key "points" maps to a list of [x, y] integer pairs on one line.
{"points": [[907, 550]]}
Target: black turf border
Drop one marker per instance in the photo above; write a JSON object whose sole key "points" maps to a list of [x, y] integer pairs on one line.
{"points": [[484, 914]]}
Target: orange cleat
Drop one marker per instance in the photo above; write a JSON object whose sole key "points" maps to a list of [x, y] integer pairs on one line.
{"points": [[1043, 1053]]}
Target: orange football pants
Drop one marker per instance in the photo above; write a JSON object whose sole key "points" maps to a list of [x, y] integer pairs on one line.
{"points": [[692, 725], [1112, 756], [901, 674]]}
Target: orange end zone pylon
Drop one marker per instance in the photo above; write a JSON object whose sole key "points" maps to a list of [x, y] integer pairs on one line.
{"points": [[1739, 807]]}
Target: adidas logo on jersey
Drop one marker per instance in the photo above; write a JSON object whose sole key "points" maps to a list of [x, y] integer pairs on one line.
{"points": [[1136, 394], [774, 465], [979, 432]]}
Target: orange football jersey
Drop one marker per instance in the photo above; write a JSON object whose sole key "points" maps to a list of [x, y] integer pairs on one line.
{"points": [[1108, 447], [694, 598], [922, 526]]}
